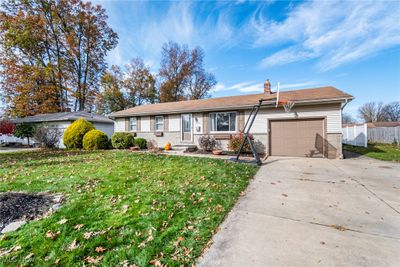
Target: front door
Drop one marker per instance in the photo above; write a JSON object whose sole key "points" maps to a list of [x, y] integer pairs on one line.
{"points": [[186, 127]]}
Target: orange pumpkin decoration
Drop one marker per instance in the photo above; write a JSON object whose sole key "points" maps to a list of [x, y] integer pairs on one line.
{"points": [[167, 146]]}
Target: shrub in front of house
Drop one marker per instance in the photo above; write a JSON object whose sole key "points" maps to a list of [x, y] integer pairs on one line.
{"points": [[121, 140], [73, 135], [207, 143], [47, 136], [141, 142], [236, 140], [94, 140], [152, 145]]}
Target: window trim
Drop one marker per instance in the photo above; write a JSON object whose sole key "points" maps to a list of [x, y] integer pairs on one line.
{"points": [[222, 132], [130, 124], [155, 123]]}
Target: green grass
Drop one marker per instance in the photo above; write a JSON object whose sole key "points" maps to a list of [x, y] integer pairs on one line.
{"points": [[138, 207], [386, 152]]}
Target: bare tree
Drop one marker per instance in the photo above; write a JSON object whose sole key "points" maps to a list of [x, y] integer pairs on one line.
{"points": [[372, 112], [393, 111], [347, 118]]}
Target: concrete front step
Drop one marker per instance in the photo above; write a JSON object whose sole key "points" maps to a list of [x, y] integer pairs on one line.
{"points": [[182, 147]]}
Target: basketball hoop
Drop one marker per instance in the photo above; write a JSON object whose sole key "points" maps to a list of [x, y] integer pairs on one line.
{"points": [[287, 105]]}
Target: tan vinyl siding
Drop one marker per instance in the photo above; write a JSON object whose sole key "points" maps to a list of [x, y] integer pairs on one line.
{"points": [[138, 124], [152, 128], [332, 113], [126, 124], [240, 121], [166, 122], [174, 124], [205, 123], [145, 124], [198, 123], [119, 125]]}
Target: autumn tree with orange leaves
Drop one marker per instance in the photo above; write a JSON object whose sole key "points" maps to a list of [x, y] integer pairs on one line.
{"points": [[52, 54]]}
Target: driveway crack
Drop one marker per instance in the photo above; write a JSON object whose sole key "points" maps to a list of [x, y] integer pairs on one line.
{"points": [[373, 193], [366, 188], [331, 226]]}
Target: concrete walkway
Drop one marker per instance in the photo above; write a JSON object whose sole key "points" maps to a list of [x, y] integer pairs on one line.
{"points": [[314, 212], [11, 149]]}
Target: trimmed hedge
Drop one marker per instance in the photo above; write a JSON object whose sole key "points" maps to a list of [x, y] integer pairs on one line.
{"points": [[73, 135], [121, 140], [94, 140], [141, 142]]}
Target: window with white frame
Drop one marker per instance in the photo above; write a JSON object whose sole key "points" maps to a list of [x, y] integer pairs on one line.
{"points": [[159, 123], [133, 124], [223, 122]]}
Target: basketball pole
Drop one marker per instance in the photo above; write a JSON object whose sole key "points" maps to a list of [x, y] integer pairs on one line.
{"points": [[277, 95]]}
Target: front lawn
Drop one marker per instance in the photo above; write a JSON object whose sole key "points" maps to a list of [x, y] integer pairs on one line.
{"points": [[386, 152], [121, 207]]}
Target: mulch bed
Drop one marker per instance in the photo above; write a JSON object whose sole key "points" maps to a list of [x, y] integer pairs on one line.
{"points": [[22, 206]]}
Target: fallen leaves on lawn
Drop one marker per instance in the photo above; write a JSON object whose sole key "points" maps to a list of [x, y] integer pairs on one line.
{"points": [[93, 260], [156, 263], [100, 249], [52, 235], [73, 245], [125, 208], [8, 251], [78, 226], [148, 239], [62, 221], [30, 255], [219, 208], [125, 263], [87, 235], [178, 241]]}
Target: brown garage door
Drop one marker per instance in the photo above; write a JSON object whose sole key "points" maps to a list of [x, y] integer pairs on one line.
{"points": [[302, 138]]}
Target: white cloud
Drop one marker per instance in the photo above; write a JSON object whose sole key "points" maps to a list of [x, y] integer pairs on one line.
{"points": [[143, 27], [258, 87], [333, 32], [284, 86], [244, 87]]}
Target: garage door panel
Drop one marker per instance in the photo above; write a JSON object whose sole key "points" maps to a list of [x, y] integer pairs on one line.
{"points": [[297, 138]]}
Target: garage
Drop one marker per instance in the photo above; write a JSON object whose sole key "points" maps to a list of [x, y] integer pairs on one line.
{"points": [[299, 137]]}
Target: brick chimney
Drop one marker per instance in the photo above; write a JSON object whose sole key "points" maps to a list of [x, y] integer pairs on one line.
{"points": [[267, 87]]}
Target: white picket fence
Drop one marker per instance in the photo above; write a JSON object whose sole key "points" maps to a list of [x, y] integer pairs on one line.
{"points": [[7, 138], [356, 135]]}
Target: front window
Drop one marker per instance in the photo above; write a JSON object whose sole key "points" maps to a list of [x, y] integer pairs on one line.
{"points": [[159, 123], [223, 122], [133, 124]]}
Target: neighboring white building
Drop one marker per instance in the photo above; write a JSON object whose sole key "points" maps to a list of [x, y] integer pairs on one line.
{"points": [[62, 120], [312, 128]]}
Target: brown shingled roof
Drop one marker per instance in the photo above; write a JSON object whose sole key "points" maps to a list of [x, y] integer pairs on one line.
{"points": [[303, 95]]}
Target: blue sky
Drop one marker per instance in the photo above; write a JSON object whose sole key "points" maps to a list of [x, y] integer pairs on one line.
{"points": [[353, 45]]}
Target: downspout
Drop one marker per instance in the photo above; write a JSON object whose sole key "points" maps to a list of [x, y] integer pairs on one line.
{"points": [[341, 123], [345, 103]]}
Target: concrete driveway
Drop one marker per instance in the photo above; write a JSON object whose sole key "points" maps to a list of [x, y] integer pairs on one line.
{"points": [[314, 212]]}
